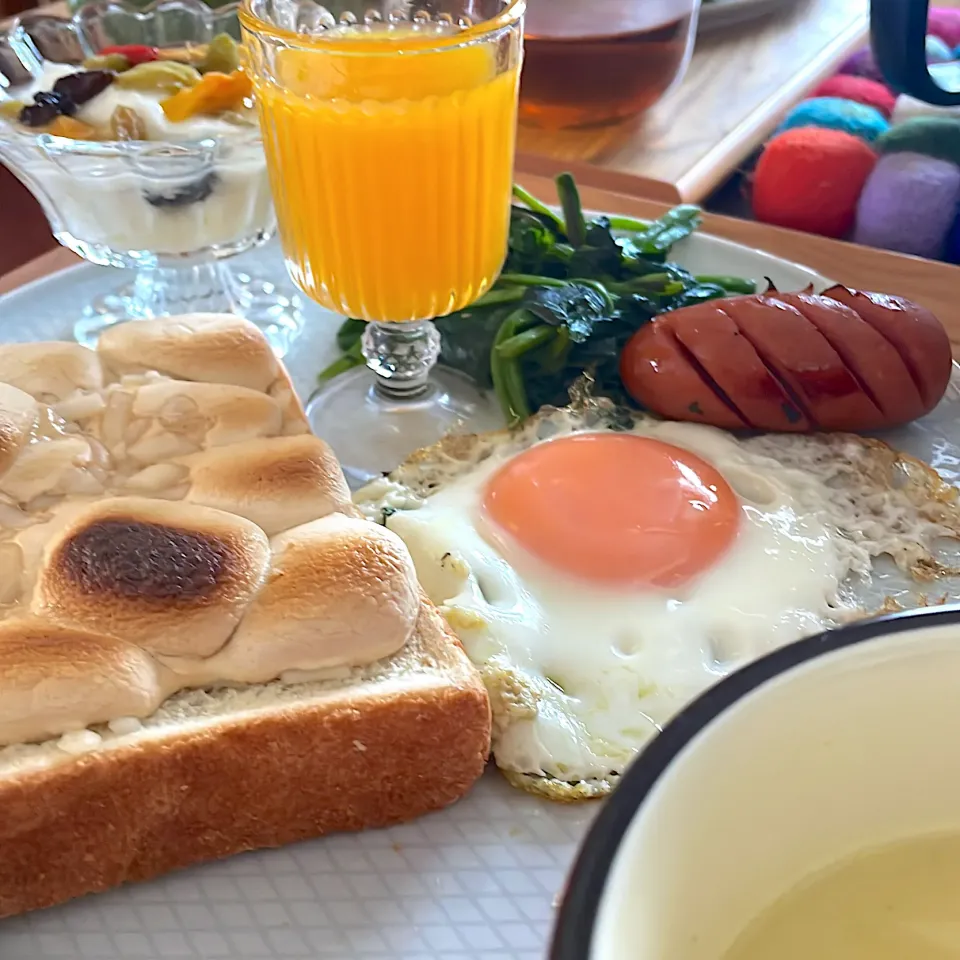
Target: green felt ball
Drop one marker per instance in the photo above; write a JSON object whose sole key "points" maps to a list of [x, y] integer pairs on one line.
{"points": [[930, 136]]}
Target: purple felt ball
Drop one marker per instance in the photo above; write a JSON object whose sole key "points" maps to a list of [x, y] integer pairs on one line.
{"points": [[908, 204], [944, 22], [862, 64]]}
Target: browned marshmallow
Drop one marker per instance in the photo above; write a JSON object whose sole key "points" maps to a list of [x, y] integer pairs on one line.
{"points": [[173, 578], [55, 679], [210, 347], [49, 372], [277, 483], [341, 592], [18, 417]]}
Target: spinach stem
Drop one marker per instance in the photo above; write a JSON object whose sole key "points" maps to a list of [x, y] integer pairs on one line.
{"points": [[572, 209], [627, 223], [651, 280], [730, 284], [530, 280], [506, 373], [537, 206], [499, 295], [528, 340], [556, 352]]}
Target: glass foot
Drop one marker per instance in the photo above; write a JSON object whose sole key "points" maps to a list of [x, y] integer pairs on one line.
{"points": [[200, 288], [372, 433]]}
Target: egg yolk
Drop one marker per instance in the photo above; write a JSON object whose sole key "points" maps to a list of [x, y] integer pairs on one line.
{"points": [[614, 509]]}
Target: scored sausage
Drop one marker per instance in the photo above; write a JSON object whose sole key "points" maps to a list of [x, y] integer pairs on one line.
{"points": [[841, 360]]}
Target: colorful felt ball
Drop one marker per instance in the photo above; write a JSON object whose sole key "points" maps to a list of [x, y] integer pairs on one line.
{"points": [[938, 51], [906, 108], [931, 136], [832, 113], [863, 90], [810, 179], [944, 22], [909, 204], [862, 64]]}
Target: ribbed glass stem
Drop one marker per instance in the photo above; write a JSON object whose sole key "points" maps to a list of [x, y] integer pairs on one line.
{"points": [[168, 291]]}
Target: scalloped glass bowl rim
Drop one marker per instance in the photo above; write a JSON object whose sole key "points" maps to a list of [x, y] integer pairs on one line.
{"points": [[116, 149], [508, 17]]}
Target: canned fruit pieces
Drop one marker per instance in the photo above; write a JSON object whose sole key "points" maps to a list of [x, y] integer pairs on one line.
{"points": [[127, 124], [166, 76], [222, 55], [214, 94]]}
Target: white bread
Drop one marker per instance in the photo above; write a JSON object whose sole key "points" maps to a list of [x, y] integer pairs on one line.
{"points": [[192, 608]]}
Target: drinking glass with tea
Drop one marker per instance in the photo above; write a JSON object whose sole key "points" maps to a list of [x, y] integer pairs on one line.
{"points": [[594, 62]]}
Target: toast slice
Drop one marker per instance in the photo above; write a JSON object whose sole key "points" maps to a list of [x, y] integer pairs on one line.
{"points": [[204, 648], [219, 772]]}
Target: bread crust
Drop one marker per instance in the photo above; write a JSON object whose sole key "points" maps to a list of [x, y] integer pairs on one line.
{"points": [[369, 756]]}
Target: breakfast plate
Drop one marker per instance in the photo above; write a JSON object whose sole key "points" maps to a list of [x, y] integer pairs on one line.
{"points": [[478, 880]]}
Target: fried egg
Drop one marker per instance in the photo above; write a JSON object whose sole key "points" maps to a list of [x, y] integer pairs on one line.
{"points": [[602, 569]]}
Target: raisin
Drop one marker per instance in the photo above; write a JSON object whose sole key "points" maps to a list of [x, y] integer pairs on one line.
{"points": [[40, 114], [194, 192], [55, 100], [78, 88]]}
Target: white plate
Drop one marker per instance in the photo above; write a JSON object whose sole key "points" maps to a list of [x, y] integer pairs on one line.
{"points": [[475, 882], [720, 14]]}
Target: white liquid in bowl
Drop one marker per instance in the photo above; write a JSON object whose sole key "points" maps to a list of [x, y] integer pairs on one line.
{"points": [[900, 901]]}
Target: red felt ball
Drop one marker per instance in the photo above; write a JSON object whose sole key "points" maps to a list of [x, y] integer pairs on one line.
{"points": [[810, 179], [944, 22], [860, 90]]}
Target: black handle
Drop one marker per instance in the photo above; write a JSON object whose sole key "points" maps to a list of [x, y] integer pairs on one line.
{"points": [[898, 33]]}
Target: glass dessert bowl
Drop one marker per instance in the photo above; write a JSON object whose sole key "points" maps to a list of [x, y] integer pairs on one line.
{"points": [[136, 132]]}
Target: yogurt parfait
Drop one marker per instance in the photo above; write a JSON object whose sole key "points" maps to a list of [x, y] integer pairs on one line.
{"points": [[139, 137], [137, 94]]}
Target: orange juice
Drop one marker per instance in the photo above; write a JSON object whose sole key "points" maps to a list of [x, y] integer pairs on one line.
{"points": [[391, 163]]}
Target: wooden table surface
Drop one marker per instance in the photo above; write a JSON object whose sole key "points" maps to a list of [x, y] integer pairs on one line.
{"points": [[740, 83], [935, 285]]}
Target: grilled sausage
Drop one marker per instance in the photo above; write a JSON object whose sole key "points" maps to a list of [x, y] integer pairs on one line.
{"points": [[841, 360]]}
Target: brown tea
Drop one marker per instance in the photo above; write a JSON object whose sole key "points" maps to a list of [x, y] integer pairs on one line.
{"points": [[597, 61]]}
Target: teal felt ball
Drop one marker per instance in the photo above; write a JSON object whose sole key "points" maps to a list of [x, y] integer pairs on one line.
{"points": [[832, 113], [937, 50], [931, 136]]}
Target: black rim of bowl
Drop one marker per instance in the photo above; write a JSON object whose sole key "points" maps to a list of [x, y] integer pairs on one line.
{"points": [[576, 923]]}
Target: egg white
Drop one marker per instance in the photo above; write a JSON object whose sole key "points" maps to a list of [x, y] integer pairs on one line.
{"points": [[583, 676]]}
